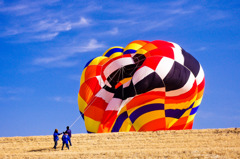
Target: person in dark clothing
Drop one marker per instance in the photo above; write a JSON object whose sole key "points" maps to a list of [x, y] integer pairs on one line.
{"points": [[55, 138], [69, 132], [65, 139]]}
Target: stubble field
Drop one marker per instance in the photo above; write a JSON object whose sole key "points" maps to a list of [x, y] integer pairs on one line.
{"points": [[206, 143]]}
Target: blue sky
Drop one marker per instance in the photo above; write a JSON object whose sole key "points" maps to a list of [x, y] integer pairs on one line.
{"points": [[45, 44]]}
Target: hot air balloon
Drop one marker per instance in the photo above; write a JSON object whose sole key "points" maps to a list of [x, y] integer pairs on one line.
{"points": [[146, 86]]}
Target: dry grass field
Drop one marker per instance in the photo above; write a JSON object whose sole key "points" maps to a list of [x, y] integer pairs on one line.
{"points": [[208, 143]]}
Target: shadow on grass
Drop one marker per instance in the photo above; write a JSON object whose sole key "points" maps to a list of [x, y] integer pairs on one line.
{"points": [[43, 149]]}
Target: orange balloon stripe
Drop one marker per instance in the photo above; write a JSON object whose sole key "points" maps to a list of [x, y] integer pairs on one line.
{"points": [[96, 109], [93, 83], [184, 97], [154, 125], [144, 98], [94, 112], [189, 125], [92, 71], [109, 115], [82, 92], [148, 47], [109, 118], [98, 102], [140, 42], [180, 124]]}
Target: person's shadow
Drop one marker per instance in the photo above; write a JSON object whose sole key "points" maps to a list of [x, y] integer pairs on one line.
{"points": [[42, 149]]}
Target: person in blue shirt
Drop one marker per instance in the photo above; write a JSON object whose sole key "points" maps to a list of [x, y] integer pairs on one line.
{"points": [[65, 139], [69, 132], [55, 138]]}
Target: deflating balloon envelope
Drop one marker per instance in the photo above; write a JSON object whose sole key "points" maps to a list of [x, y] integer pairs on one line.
{"points": [[146, 86]]}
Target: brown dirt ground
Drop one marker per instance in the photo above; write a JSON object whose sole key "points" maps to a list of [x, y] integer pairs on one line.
{"points": [[207, 143]]}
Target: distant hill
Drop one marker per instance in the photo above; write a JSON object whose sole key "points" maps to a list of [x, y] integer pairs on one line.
{"points": [[206, 143]]}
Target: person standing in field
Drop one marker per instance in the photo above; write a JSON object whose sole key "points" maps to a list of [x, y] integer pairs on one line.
{"points": [[55, 138], [65, 139], [69, 132]]}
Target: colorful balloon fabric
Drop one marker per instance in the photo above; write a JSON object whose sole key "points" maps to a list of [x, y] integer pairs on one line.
{"points": [[146, 86]]}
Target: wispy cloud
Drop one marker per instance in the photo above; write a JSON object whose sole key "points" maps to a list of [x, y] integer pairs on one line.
{"points": [[82, 22], [63, 59], [13, 93], [218, 15], [121, 21], [45, 29], [91, 45], [203, 48], [27, 21], [22, 8], [130, 19], [58, 26], [63, 99], [45, 37], [92, 7], [177, 3], [13, 8], [182, 11], [114, 31], [161, 24], [19, 9]]}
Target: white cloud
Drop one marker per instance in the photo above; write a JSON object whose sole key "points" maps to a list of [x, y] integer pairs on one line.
{"points": [[45, 37], [50, 25], [43, 2], [13, 93], [47, 60], [57, 26], [75, 77], [179, 11], [92, 45], [57, 99], [37, 26], [43, 30], [63, 99], [217, 15], [92, 7], [19, 9], [121, 21], [10, 98], [10, 32], [177, 3], [203, 48], [158, 24], [114, 31], [24, 8], [14, 90], [63, 58], [14, 8], [82, 22]]}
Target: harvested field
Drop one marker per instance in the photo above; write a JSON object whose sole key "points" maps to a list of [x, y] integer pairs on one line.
{"points": [[207, 143]]}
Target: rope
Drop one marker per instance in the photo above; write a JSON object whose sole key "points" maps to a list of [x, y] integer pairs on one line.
{"points": [[76, 120]]}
